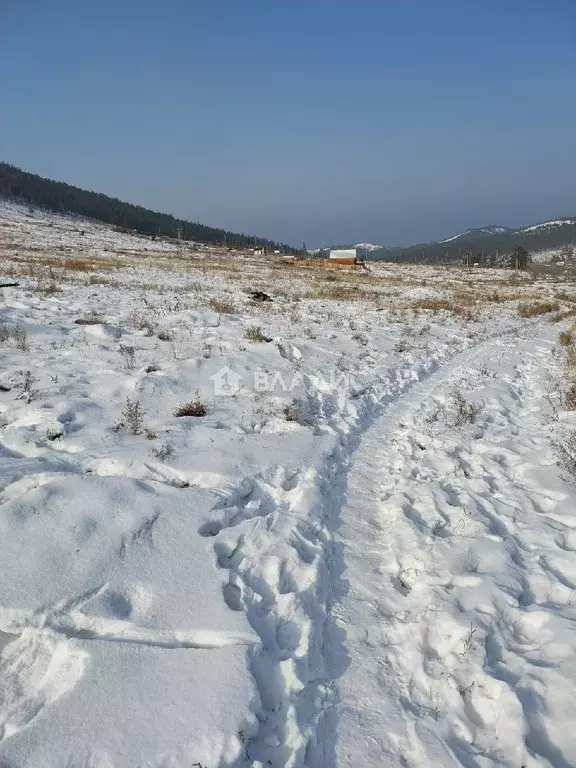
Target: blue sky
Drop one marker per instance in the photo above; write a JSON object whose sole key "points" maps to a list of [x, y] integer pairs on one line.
{"points": [[393, 121]]}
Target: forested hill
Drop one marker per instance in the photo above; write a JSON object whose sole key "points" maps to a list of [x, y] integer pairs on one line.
{"points": [[65, 198]]}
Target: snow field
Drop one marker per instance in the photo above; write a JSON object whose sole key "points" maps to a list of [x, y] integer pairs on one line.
{"points": [[308, 575]]}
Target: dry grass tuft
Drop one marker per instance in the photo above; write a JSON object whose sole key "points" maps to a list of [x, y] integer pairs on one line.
{"points": [[92, 319], [255, 333], [194, 408], [566, 455], [565, 338], [535, 308], [433, 305], [79, 265], [222, 306]]}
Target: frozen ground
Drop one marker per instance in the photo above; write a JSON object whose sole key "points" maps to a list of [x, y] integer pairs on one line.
{"points": [[362, 554]]}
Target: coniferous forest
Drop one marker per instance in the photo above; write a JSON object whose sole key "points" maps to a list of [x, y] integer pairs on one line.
{"points": [[64, 198]]}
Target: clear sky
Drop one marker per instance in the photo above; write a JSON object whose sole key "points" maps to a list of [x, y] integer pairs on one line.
{"points": [[391, 121]]}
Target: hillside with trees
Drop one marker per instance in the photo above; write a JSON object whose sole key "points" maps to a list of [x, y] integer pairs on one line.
{"points": [[489, 248], [58, 196]]}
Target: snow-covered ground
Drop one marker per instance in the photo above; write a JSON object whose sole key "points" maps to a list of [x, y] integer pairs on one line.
{"points": [[362, 554]]}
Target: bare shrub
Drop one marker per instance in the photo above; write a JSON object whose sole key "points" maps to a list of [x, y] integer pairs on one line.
{"points": [[26, 386], [150, 434], [20, 338], [193, 408], [128, 355], [143, 323], [133, 416], [465, 411], [535, 308], [565, 338], [222, 306], [166, 451]]}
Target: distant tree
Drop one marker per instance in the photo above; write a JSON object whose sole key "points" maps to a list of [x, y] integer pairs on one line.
{"points": [[520, 258]]}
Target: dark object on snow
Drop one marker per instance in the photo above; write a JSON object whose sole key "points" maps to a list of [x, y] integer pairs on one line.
{"points": [[259, 296], [4, 388], [8, 285]]}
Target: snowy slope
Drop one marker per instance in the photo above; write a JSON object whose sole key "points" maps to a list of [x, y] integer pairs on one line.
{"points": [[492, 230], [548, 225], [325, 569]]}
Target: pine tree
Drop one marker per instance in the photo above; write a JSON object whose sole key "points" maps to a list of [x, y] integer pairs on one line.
{"points": [[520, 258]]}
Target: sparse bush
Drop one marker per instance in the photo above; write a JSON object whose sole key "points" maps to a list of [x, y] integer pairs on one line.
{"points": [[565, 338], [48, 289], [402, 346], [465, 412], [254, 333], [222, 306], [26, 386], [165, 335], [133, 416], [128, 355], [150, 434], [166, 451], [20, 338], [535, 308], [143, 323], [193, 408]]}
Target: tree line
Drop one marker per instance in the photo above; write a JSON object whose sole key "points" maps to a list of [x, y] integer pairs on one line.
{"points": [[65, 198]]}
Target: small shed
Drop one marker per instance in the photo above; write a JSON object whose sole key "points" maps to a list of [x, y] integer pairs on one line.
{"points": [[344, 256]]}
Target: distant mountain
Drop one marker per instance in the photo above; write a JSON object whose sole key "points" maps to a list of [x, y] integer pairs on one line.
{"points": [[489, 244], [491, 230], [57, 196], [367, 247]]}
